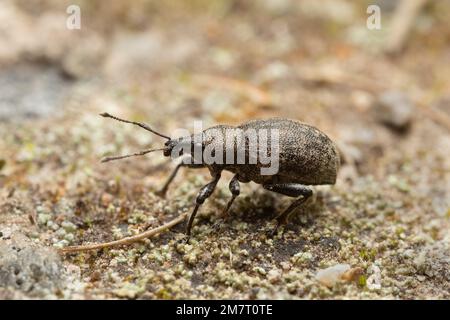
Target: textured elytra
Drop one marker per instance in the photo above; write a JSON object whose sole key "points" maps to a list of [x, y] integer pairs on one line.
{"points": [[306, 155]]}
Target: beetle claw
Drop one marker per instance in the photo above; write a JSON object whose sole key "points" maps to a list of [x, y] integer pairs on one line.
{"points": [[216, 226], [161, 193], [279, 226], [274, 231]]}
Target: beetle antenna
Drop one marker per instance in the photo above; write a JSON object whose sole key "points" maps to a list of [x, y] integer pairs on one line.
{"points": [[140, 124], [140, 153]]}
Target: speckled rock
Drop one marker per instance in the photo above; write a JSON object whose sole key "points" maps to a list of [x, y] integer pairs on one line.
{"points": [[434, 261], [394, 109], [31, 91], [34, 271]]}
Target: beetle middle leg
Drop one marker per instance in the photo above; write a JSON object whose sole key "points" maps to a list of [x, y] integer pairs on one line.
{"points": [[291, 190], [204, 193], [235, 190]]}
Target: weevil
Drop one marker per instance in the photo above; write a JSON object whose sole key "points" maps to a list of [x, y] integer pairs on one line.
{"points": [[306, 157]]}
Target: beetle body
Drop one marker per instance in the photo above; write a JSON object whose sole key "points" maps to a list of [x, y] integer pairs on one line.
{"points": [[305, 155]]}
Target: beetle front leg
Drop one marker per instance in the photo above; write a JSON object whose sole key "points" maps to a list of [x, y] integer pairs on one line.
{"points": [[162, 192], [291, 190], [204, 193]]}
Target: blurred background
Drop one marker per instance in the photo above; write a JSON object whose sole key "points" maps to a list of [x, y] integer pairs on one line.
{"points": [[382, 94]]}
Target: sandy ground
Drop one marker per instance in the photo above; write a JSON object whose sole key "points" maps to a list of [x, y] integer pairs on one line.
{"points": [[387, 217]]}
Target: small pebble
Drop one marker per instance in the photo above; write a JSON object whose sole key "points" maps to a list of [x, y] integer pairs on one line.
{"points": [[273, 275], [43, 218], [106, 199], [68, 226], [69, 237], [374, 281], [394, 109], [61, 233], [331, 275]]}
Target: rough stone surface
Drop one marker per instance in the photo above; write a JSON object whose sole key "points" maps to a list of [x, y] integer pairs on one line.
{"points": [[32, 270], [31, 91]]}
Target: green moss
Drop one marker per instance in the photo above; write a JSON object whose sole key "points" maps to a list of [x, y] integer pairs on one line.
{"points": [[362, 280], [368, 254]]}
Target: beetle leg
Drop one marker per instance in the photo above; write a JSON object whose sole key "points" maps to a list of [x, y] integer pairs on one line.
{"points": [[291, 190], [162, 192], [235, 190], [204, 193]]}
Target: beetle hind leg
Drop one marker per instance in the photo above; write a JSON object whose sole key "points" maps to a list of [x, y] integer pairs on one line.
{"points": [[292, 190]]}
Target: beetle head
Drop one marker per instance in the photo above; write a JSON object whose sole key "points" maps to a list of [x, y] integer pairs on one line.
{"points": [[184, 145]]}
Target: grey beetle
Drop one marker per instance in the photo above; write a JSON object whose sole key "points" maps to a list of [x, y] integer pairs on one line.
{"points": [[306, 157]]}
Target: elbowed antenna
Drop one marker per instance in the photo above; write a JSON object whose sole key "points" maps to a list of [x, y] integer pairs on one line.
{"points": [[140, 153], [140, 124]]}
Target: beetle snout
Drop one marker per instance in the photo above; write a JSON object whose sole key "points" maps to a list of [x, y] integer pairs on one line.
{"points": [[173, 148], [166, 152], [168, 147]]}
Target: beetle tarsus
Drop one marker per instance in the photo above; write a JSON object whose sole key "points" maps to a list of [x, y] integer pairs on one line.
{"points": [[225, 213], [278, 226]]}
